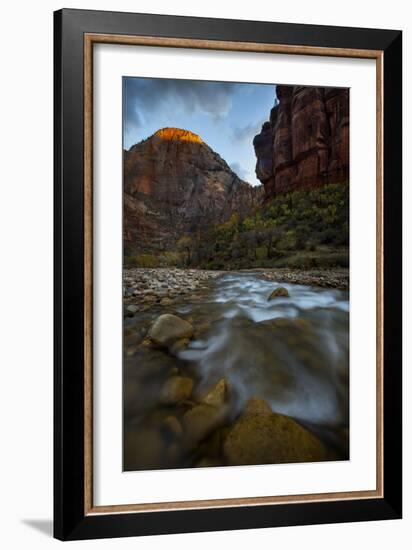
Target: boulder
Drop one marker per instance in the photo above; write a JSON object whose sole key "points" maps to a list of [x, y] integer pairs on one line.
{"points": [[271, 439], [201, 421], [179, 345], [217, 395], [132, 309], [176, 389], [172, 427], [279, 292], [257, 406], [169, 328]]}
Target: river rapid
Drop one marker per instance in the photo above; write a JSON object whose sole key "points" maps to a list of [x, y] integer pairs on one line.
{"points": [[291, 351]]}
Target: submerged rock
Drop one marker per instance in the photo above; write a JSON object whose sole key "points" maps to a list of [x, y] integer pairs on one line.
{"points": [[169, 328], [280, 292], [271, 439], [176, 389]]}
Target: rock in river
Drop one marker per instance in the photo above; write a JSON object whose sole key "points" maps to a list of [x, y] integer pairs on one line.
{"points": [[169, 328], [257, 406], [279, 292], [130, 310], [176, 389], [271, 439], [201, 421], [171, 426], [217, 395]]}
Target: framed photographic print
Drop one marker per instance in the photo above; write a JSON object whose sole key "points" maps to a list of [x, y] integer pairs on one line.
{"points": [[227, 274]]}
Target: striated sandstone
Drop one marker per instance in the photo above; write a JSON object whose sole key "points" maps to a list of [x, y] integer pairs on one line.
{"points": [[305, 143]]}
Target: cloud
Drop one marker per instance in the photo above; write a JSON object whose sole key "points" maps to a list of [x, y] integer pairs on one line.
{"points": [[146, 97], [242, 172], [248, 132]]}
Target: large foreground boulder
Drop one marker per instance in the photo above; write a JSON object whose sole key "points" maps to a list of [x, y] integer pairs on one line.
{"points": [[168, 329], [257, 406], [263, 437]]}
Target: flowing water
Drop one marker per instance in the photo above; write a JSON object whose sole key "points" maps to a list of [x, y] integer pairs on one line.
{"points": [[291, 351]]}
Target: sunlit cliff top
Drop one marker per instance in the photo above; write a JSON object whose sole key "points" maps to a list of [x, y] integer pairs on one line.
{"points": [[178, 134]]}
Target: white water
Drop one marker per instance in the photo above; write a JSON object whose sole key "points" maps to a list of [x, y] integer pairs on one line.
{"points": [[300, 367]]}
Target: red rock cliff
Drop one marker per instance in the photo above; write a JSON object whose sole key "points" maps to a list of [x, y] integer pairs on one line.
{"points": [[174, 183], [305, 143]]}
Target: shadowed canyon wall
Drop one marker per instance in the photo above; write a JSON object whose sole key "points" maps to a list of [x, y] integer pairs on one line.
{"points": [[305, 142]]}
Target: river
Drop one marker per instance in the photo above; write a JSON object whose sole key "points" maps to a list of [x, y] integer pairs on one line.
{"points": [[291, 351]]}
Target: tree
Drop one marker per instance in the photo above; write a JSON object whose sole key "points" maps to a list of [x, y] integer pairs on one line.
{"points": [[185, 245]]}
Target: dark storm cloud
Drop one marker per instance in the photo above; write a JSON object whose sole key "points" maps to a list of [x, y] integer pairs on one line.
{"points": [[144, 97]]}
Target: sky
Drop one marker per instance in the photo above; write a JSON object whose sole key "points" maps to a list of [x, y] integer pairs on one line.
{"points": [[225, 115]]}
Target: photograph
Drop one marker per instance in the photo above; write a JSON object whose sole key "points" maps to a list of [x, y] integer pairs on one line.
{"points": [[227, 273], [235, 273]]}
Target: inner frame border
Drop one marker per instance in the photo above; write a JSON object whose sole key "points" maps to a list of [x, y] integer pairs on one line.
{"points": [[89, 40]]}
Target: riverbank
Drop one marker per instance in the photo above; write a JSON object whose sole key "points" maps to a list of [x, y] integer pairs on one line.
{"points": [[327, 278], [145, 287]]}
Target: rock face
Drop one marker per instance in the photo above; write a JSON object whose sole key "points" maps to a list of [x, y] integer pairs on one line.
{"points": [[174, 183], [305, 143]]}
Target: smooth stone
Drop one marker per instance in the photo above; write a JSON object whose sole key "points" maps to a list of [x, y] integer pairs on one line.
{"points": [[280, 292], [149, 298], [172, 426], [132, 350], [200, 421], [257, 406], [179, 345], [176, 389], [217, 395], [271, 439], [169, 328]]}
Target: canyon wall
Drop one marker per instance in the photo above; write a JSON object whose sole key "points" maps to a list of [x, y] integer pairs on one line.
{"points": [[305, 142]]}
